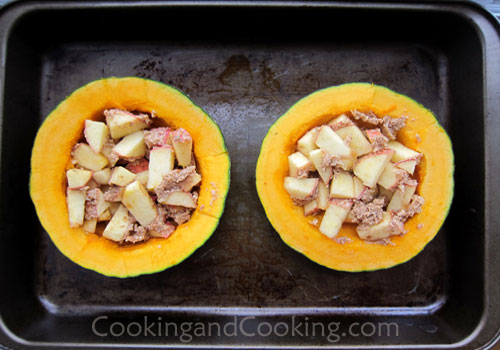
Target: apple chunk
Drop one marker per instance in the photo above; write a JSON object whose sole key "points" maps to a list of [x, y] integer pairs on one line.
{"points": [[323, 195], [340, 122], [307, 143], [137, 200], [122, 123], [325, 172], [78, 178], [401, 152], [118, 226], [90, 225], [102, 176], [143, 177], [384, 229], [332, 143], [369, 167], [76, 207], [161, 162], [121, 176], [299, 165], [181, 199], [401, 199], [183, 146], [384, 192], [301, 188], [359, 187], [312, 208], [408, 164], [359, 143], [391, 177], [96, 134], [131, 146], [85, 157], [334, 216], [342, 186]]}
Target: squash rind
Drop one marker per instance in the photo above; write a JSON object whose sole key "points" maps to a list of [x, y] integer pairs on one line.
{"points": [[435, 177], [51, 158]]}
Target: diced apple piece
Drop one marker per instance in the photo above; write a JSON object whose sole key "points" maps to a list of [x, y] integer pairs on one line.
{"points": [[102, 176], [342, 186], [122, 123], [90, 225], [332, 143], [109, 153], [307, 143], [401, 199], [359, 187], [137, 200], [183, 145], [113, 207], [401, 152], [340, 122], [78, 178], [96, 204], [407, 165], [301, 188], [299, 165], [142, 177], [84, 156], [181, 199], [334, 216], [317, 157], [408, 194], [161, 162], [118, 226], [138, 165], [96, 134], [311, 208], [105, 216], [323, 195], [369, 167], [131, 146], [92, 184], [379, 231], [76, 207], [384, 192], [396, 202], [348, 162], [359, 143], [375, 136], [121, 176], [390, 177], [192, 180]]}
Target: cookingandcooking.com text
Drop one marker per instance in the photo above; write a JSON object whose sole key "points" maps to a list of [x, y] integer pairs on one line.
{"points": [[249, 326]]}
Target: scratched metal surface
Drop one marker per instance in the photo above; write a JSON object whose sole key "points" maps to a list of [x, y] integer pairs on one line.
{"points": [[245, 89]]}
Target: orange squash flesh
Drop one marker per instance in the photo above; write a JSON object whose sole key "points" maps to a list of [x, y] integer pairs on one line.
{"points": [[51, 157], [434, 174]]}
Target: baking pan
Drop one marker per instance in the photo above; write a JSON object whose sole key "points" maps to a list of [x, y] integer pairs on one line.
{"points": [[246, 64]]}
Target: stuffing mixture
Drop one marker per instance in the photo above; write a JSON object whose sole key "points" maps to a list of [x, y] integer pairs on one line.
{"points": [[353, 170], [133, 180]]}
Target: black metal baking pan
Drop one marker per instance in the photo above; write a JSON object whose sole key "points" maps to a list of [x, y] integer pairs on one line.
{"points": [[245, 64]]}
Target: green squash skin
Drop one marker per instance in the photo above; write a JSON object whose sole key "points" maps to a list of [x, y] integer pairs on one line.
{"points": [[275, 125], [219, 215]]}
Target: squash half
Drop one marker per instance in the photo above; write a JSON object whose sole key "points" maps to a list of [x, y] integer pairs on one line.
{"points": [[51, 158], [434, 174]]}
